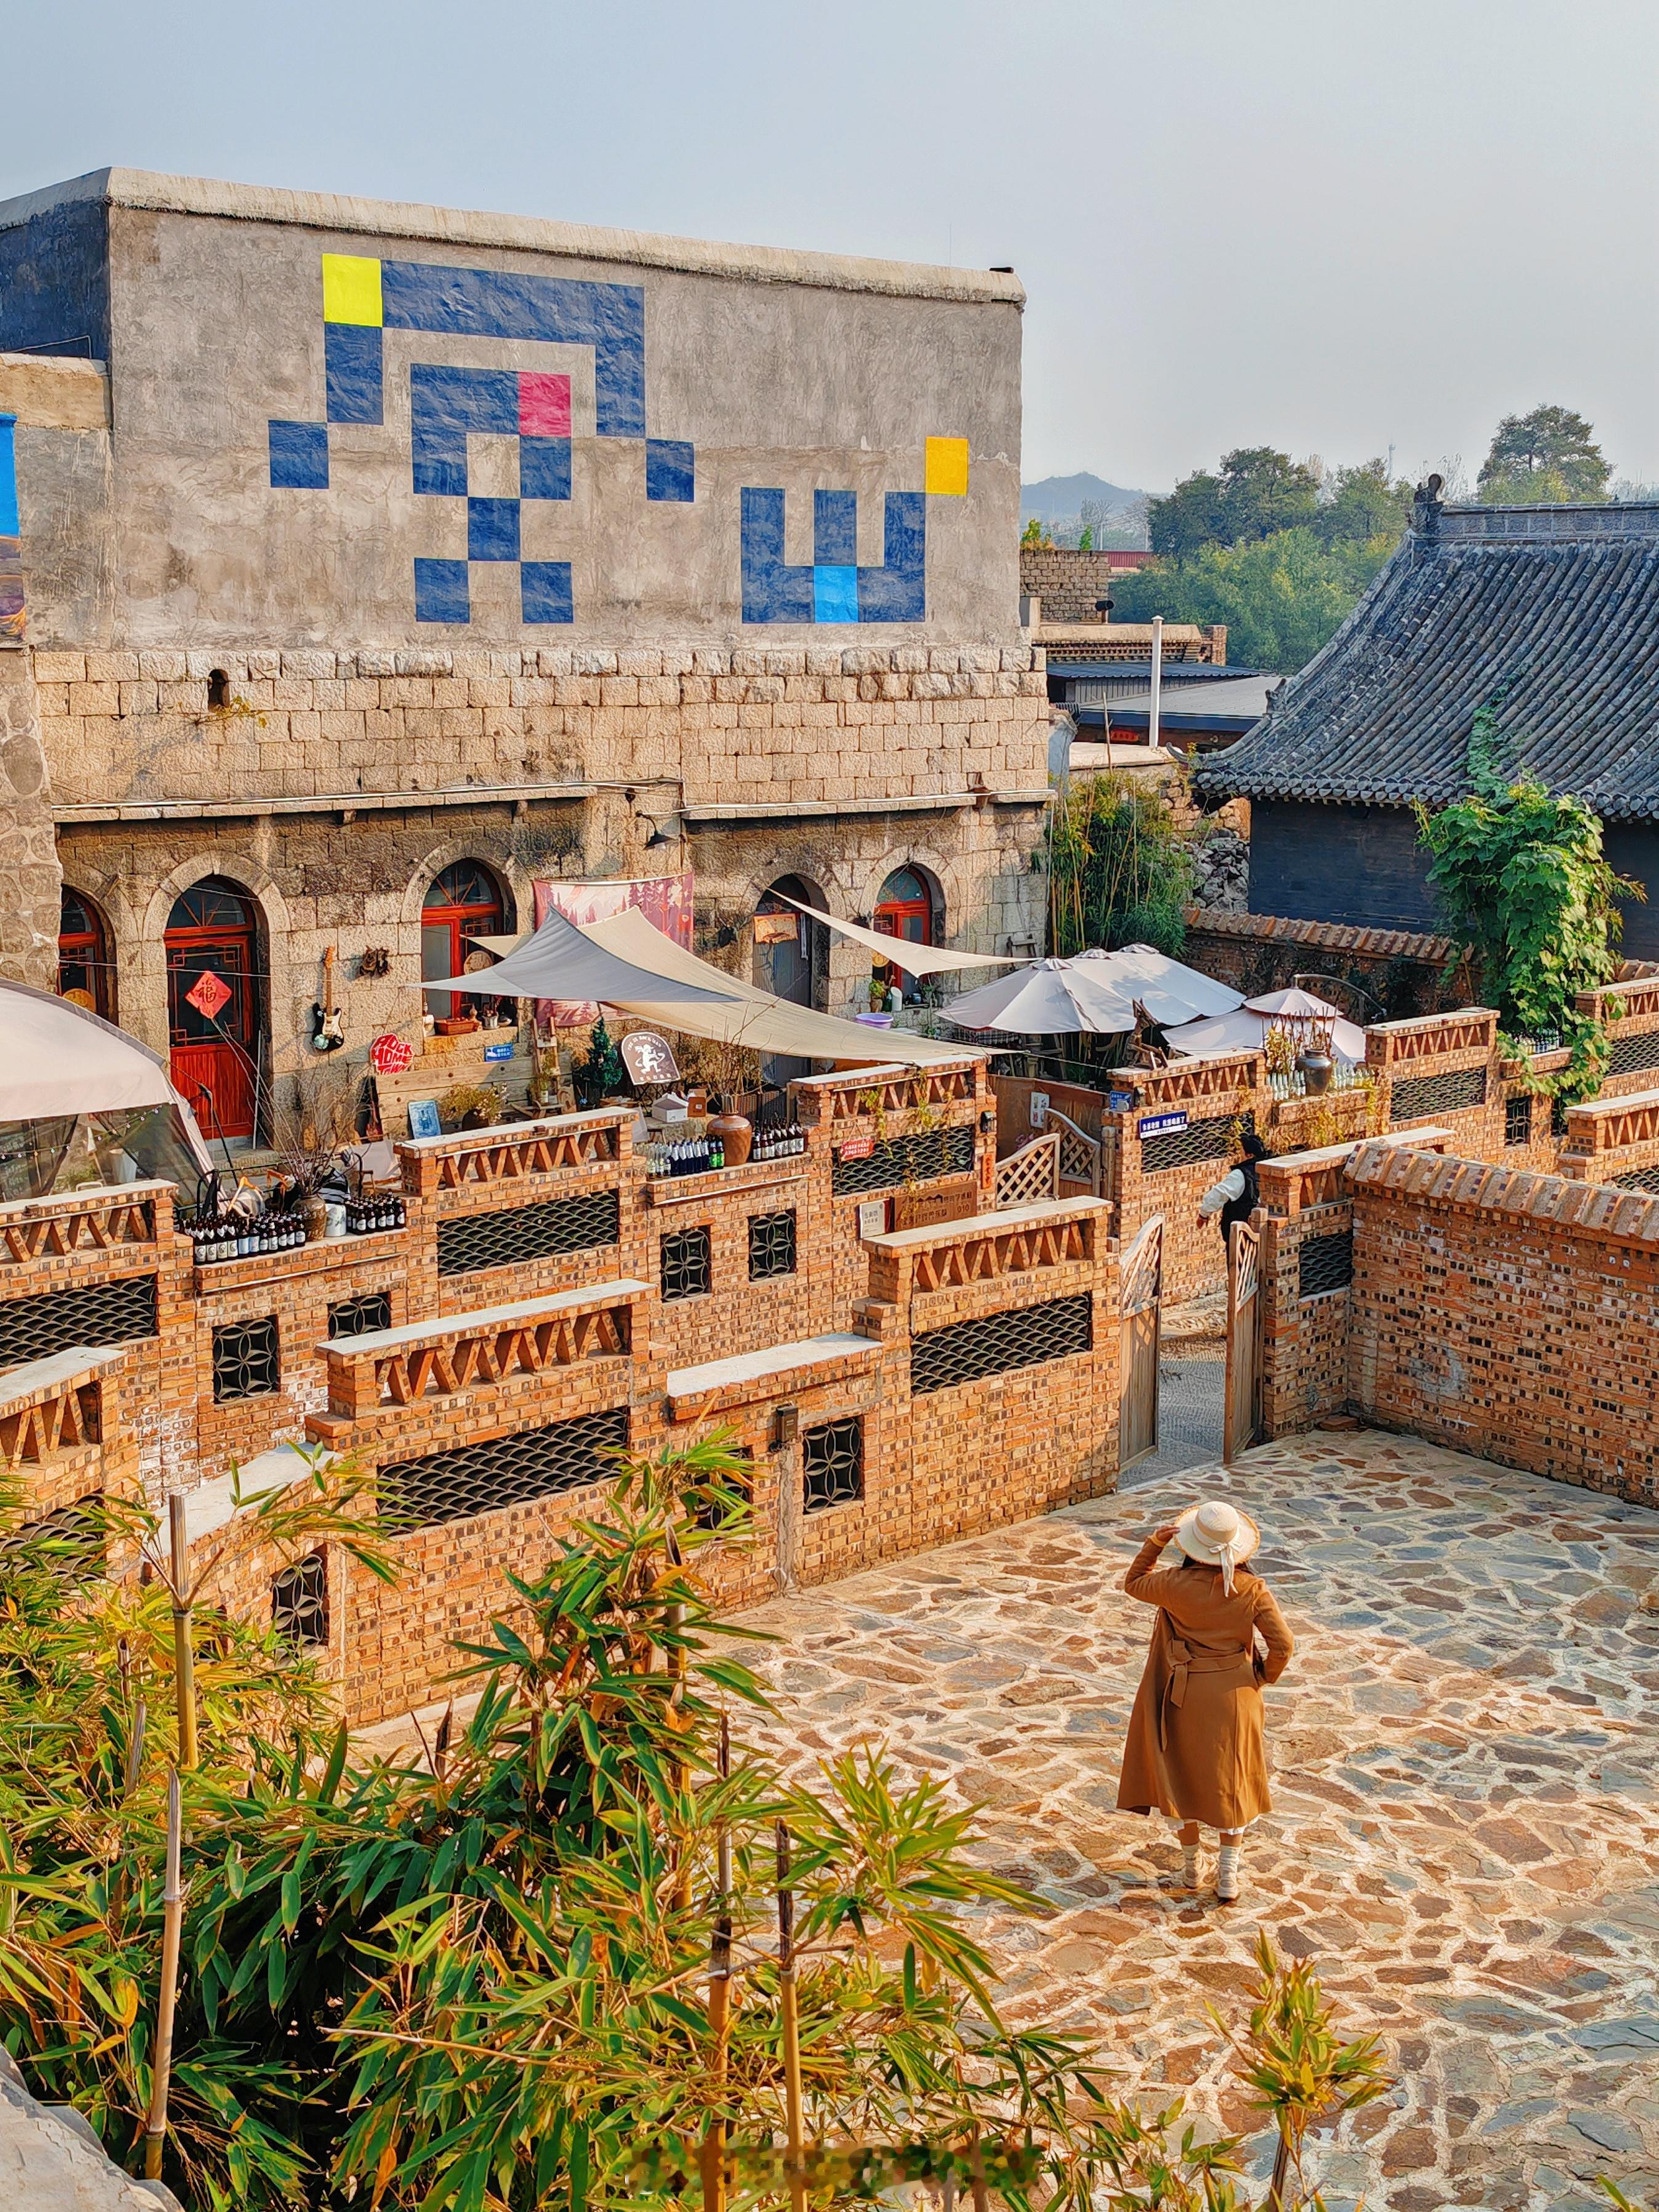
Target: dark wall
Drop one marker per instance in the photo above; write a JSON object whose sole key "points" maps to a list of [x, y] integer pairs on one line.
{"points": [[1353, 864], [1633, 850], [54, 283]]}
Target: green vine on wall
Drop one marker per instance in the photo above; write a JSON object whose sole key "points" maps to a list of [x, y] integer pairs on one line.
{"points": [[1527, 889]]}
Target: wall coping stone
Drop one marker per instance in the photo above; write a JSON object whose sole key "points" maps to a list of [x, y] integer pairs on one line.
{"points": [[762, 1367], [968, 1226], [1590, 1209], [479, 1320], [57, 1371]]}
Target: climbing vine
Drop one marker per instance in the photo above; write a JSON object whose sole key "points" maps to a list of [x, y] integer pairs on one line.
{"points": [[1525, 888]]}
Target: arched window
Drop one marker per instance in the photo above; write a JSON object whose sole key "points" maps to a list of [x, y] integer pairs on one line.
{"points": [[464, 902], [86, 967], [215, 1005], [905, 908], [790, 953]]}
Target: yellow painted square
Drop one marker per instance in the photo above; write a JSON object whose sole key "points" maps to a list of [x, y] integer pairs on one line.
{"points": [[947, 469], [351, 290]]}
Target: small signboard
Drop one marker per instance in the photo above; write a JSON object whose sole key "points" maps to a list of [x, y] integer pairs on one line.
{"points": [[498, 1052], [208, 995], [423, 1118], [390, 1055], [1036, 1113], [648, 1057], [1159, 1125], [858, 1148], [872, 1217], [1120, 1102]]}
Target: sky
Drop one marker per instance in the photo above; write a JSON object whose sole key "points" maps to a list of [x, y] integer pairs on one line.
{"points": [[1337, 226]]}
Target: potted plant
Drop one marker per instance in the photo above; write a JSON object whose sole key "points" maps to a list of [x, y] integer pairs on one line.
{"points": [[470, 1106]]}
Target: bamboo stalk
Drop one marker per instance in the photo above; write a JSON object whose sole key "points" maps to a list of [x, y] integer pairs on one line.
{"points": [[681, 1894], [1281, 2173], [184, 1648], [135, 1765], [789, 2002], [172, 1900], [719, 1998]]}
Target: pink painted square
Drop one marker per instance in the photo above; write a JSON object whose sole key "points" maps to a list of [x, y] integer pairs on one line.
{"points": [[543, 406]]}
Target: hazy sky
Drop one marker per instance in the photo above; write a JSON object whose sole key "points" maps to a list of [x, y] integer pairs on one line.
{"points": [[1330, 225]]}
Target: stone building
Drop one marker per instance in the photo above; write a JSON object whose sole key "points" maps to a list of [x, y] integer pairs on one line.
{"points": [[373, 564]]}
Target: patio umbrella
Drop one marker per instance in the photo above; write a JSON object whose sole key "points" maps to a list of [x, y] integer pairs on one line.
{"points": [[1246, 1027], [1051, 998], [1171, 992]]}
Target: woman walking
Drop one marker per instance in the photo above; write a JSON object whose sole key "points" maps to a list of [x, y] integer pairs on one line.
{"points": [[1195, 1748]]}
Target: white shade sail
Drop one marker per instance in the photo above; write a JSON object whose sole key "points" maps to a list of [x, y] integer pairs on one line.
{"points": [[559, 961], [749, 1015], [57, 1058], [913, 959], [1170, 991], [1051, 998], [1245, 1028]]}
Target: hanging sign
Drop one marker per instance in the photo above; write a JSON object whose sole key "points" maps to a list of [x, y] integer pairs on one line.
{"points": [[647, 1058], [390, 1055], [1159, 1125], [858, 1148], [208, 995]]}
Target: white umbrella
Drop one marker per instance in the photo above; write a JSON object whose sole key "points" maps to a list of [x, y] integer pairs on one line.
{"points": [[1247, 1026], [1171, 992], [1051, 998]]}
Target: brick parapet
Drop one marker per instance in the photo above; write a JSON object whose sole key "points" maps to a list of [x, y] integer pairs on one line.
{"points": [[1304, 1340]]}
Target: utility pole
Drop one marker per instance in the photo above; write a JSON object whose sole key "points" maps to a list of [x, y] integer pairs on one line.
{"points": [[1158, 679]]}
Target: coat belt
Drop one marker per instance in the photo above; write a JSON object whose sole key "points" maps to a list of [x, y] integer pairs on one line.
{"points": [[1185, 1662]]}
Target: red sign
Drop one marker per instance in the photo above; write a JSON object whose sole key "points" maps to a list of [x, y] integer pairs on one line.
{"points": [[390, 1055], [858, 1148], [208, 995]]}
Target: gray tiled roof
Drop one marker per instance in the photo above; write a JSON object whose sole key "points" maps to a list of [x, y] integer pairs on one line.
{"points": [[1558, 608]]}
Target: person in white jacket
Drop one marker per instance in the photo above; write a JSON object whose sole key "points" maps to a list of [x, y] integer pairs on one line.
{"points": [[1234, 1198]]}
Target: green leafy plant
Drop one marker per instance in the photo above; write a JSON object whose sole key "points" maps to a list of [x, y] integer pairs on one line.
{"points": [[1522, 878], [1120, 869], [602, 1071]]}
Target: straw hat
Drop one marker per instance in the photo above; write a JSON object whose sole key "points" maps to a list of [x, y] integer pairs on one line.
{"points": [[1217, 1535]]}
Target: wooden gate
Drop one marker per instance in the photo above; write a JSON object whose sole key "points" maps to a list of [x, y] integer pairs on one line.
{"points": [[1141, 1283], [1243, 1407]]}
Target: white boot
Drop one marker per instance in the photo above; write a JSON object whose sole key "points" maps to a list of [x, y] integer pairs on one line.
{"points": [[1189, 1866], [1226, 1874]]}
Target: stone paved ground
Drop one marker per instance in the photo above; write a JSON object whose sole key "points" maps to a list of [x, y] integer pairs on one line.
{"points": [[1464, 1833]]}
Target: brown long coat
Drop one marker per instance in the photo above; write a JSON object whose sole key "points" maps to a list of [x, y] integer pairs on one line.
{"points": [[1195, 1748]]}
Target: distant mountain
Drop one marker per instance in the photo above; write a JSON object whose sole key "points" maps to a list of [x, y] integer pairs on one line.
{"points": [[1058, 499]]}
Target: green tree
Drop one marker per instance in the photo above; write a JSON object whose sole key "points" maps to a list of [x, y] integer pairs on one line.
{"points": [[1548, 457], [1281, 598], [1255, 492], [1526, 889], [1358, 505], [1120, 873]]}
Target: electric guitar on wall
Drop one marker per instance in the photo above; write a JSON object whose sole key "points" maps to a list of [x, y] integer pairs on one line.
{"points": [[327, 1020]]}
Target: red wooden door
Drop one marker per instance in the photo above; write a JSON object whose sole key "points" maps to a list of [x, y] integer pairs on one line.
{"points": [[213, 1007]]}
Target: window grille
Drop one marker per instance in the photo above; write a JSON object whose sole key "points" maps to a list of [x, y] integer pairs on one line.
{"points": [[1517, 1119], [1557, 1117], [687, 1264], [1645, 1179], [505, 1471], [1438, 1094], [247, 1360], [59, 1320], [923, 1157], [712, 1510], [832, 1464], [962, 1352], [581, 1224], [1214, 1140], [363, 1315], [1325, 1263], [299, 1602], [771, 1246], [73, 1534], [1629, 1055]]}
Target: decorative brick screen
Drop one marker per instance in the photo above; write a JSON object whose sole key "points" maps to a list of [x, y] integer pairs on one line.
{"points": [[1438, 1094], [70, 1539], [687, 1264], [472, 1241], [247, 1360], [1639, 1179], [299, 1602], [363, 1315], [1628, 1055], [1517, 1119], [1213, 1139], [505, 1471], [832, 1464], [923, 1157], [58, 1320], [1325, 1263], [941, 1359], [771, 1246]]}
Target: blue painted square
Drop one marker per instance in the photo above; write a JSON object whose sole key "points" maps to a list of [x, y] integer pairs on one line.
{"points": [[545, 586], [352, 359], [544, 468], [10, 524], [492, 530], [835, 595], [773, 591], [448, 479], [445, 405], [836, 533], [299, 457], [897, 591], [441, 591], [669, 469]]}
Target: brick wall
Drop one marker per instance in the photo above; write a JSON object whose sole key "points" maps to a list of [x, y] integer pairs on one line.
{"points": [[1068, 581]]}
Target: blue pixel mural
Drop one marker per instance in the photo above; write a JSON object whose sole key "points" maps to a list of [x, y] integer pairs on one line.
{"points": [[363, 298], [833, 588]]}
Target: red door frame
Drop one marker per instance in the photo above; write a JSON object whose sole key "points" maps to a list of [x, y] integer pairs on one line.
{"points": [[87, 949], [218, 1074], [891, 916], [464, 922]]}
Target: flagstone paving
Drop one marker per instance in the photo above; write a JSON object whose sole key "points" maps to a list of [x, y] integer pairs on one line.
{"points": [[1464, 1833]]}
